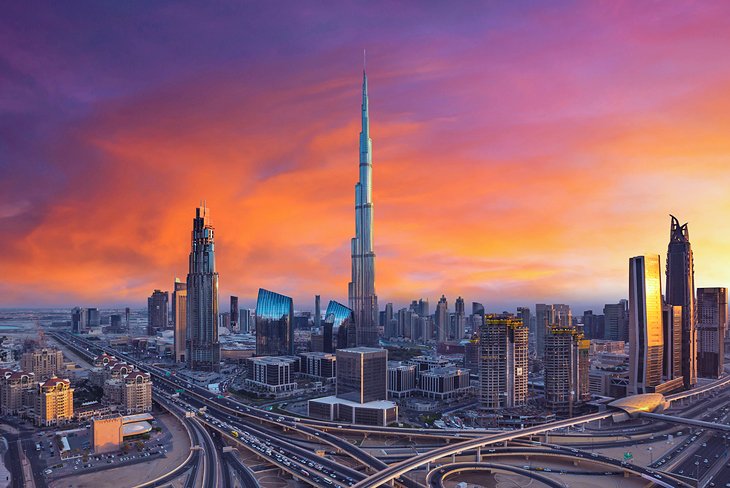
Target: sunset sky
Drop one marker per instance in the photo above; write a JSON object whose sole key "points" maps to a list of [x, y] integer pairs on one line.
{"points": [[522, 152]]}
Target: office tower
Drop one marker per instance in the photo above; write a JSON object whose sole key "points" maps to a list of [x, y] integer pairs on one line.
{"points": [[477, 309], [203, 348], [126, 318], [566, 369], [235, 325], [672, 358], [711, 323], [616, 321], [459, 320], [180, 319], [43, 363], [361, 290], [544, 318], [157, 312], [177, 286], [563, 315], [405, 317], [77, 320], [646, 341], [502, 362], [681, 291], [340, 321], [115, 323], [523, 313], [54, 402], [93, 317], [274, 324], [362, 374], [317, 312], [441, 318]]}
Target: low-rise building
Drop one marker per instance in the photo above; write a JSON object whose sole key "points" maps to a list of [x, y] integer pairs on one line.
{"points": [[272, 373], [332, 408], [401, 379], [444, 383], [319, 365], [107, 433]]}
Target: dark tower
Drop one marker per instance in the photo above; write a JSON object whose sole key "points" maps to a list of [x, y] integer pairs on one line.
{"points": [[681, 292]]}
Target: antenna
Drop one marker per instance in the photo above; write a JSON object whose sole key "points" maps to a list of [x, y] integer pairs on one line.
{"points": [[364, 60]]}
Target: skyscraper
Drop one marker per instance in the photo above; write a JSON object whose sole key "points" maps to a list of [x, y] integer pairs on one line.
{"points": [[203, 348], [544, 318], [362, 374], [523, 313], [339, 326], [235, 325], [317, 312], [672, 323], [503, 362], [361, 290], [566, 369], [563, 315], [441, 318], [681, 291], [177, 286], [459, 322], [711, 323], [179, 314], [646, 335], [157, 316], [274, 324], [616, 321]]}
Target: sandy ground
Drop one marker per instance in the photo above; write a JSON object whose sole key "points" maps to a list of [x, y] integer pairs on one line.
{"points": [[127, 476]]}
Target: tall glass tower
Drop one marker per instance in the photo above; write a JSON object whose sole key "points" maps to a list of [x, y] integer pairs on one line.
{"points": [[201, 342], [681, 291], [646, 332], [361, 290]]}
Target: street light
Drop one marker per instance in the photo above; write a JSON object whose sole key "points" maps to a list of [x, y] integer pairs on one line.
{"points": [[651, 454]]}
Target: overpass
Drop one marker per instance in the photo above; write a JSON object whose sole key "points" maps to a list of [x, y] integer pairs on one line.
{"points": [[435, 477]]}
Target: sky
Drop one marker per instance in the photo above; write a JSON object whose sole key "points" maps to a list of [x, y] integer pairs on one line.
{"points": [[522, 151]]}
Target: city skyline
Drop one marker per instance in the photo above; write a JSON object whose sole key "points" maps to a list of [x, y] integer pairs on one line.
{"points": [[488, 182]]}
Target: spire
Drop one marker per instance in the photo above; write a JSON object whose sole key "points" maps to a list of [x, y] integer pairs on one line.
{"points": [[678, 233]]}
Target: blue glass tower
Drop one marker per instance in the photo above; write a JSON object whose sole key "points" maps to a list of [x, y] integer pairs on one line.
{"points": [[274, 324]]}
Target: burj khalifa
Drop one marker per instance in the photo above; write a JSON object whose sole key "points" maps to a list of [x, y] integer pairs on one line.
{"points": [[361, 290]]}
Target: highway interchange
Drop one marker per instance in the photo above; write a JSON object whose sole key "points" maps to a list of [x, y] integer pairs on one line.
{"points": [[211, 419]]}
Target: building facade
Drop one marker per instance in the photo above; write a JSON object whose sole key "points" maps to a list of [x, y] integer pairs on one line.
{"points": [[672, 358], [566, 369], [180, 320], [362, 374], [43, 363], [201, 342], [54, 402], [544, 318], [361, 290], [681, 292], [711, 324], [646, 332], [157, 315], [401, 379], [503, 365], [274, 324]]}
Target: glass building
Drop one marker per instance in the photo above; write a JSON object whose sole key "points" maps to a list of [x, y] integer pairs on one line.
{"points": [[340, 321], [274, 324], [646, 331]]}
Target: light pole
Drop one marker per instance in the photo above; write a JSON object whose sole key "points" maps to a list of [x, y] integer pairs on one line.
{"points": [[651, 455]]}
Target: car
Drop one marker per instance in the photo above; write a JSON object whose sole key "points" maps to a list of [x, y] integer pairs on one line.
{"points": [[48, 471]]}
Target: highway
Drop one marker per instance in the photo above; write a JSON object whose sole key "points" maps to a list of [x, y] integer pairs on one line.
{"points": [[435, 477]]}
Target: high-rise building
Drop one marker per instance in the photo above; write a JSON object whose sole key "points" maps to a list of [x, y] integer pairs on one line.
{"points": [[523, 313], [43, 363], [339, 326], [616, 321], [14, 386], [157, 318], [274, 324], [180, 319], [362, 374], [672, 360], [115, 323], [317, 312], [126, 317], [361, 290], [441, 317], [711, 323], [54, 402], [646, 334], [566, 369], [203, 348], [93, 317], [234, 314], [544, 318], [563, 315], [681, 291], [177, 286], [503, 363], [78, 320], [459, 322]]}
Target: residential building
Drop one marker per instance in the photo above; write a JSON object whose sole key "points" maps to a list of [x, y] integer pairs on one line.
{"points": [[43, 363], [566, 369], [711, 324], [54, 402], [503, 366]]}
